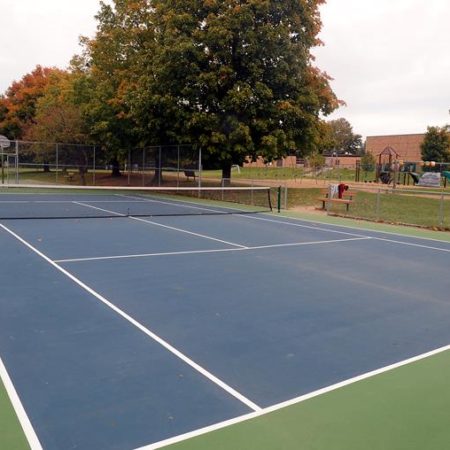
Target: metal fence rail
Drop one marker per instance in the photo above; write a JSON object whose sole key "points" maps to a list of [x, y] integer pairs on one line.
{"points": [[84, 164], [418, 207]]}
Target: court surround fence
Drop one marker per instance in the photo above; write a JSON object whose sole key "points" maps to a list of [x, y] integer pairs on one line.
{"points": [[416, 207], [84, 164]]}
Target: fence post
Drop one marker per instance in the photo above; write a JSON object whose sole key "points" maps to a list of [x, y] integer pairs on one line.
{"points": [[178, 166], [57, 161], [285, 196], [93, 167], [441, 209], [200, 167], [377, 210], [17, 162], [129, 168]]}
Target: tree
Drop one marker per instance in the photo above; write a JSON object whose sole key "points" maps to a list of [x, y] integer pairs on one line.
{"points": [[234, 77], [436, 145], [339, 138], [316, 160], [58, 113], [18, 104], [368, 162], [110, 63]]}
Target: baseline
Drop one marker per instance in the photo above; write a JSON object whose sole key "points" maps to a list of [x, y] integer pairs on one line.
{"points": [[294, 401]]}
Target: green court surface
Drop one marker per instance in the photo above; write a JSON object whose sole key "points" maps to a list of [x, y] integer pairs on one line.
{"points": [[403, 409], [11, 434]]}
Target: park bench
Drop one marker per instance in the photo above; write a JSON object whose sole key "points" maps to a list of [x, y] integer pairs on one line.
{"points": [[189, 173], [347, 198], [69, 176]]}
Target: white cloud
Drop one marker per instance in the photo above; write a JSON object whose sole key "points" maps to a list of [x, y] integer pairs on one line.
{"points": [[389, 58], [390, 63], [42, 32]]}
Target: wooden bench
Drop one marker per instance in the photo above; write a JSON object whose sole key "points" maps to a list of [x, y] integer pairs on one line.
{"points": [[189, 173], [69, 176], [347, 198]]}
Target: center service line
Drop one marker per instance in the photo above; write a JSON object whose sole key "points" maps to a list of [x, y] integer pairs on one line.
{"points": [[163, 226], [141, 327], [198, 252]]}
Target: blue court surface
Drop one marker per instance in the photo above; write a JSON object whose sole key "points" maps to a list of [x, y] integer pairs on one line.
{"points": [[122, 333]]}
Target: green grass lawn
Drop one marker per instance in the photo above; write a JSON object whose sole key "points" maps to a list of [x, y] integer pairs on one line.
{"points": [[402, 208]]}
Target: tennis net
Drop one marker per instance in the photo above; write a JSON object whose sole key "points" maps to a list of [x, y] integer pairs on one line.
{"points": [[74, 202]]}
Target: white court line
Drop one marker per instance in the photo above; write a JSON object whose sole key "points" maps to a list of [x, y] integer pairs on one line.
{"points": [[412, 244], [189, 232], [298, 225], [141, 327], [139, 219], [220, 250], [315, 228], [354, 234], [294, 401], [28, 429], [177, 202], [349, 227], [100, 209], [147, 255]]}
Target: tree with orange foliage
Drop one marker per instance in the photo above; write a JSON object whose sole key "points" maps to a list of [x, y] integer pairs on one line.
{"points": [[18, 104]]}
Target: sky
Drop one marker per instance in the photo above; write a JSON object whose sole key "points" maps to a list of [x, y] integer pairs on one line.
{"points": [[389, 59]]}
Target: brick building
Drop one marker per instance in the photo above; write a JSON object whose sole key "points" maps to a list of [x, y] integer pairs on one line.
{"points": [[406, 145], [288, 161]]}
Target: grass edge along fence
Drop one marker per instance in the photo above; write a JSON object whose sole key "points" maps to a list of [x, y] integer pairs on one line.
{"points": [[412, 207]]}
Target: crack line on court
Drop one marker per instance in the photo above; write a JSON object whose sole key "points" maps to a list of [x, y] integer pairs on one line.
{"points": [[227, 388], [220, 250]]}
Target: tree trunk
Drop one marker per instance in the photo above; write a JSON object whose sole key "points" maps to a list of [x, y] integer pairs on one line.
{"points": [[157, 179], [115, 168], [226, 174]]}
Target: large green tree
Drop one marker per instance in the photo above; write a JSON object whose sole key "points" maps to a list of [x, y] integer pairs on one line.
{"points": [[233, 77], [240, 75], [111, 62], [339, 138], [436, 144]]}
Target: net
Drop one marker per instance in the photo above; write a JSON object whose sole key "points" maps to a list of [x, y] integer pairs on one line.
{"points": [[70, 202]]}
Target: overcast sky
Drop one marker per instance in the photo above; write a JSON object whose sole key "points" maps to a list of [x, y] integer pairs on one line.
{"points": [[390, 59]]}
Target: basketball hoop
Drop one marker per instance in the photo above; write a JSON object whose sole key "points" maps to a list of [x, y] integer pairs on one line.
{"points": [[4, 142]]}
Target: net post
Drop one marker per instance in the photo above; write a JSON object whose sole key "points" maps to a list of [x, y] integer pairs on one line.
{"points": [[279, 199]]}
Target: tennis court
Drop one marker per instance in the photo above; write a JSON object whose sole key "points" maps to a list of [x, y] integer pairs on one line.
{"points": [[123, 328]]}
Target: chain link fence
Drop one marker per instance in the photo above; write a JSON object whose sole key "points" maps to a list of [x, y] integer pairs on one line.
{"points": [[79, 164], [428, 208]]}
